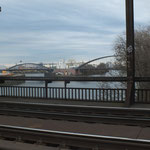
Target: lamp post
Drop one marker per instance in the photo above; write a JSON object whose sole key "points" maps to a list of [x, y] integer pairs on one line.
{"points": [[130, 52]]}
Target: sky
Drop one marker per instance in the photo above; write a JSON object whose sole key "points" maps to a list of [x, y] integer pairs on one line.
{"points": [[52, 30]]}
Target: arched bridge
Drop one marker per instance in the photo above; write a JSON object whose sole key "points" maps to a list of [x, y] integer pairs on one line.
{"points": [[81, 66], [81, 69], [29, 67]]}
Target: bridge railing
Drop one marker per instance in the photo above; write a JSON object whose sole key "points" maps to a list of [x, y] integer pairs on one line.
{"points": [[142, 95], [81, 94], [84, 94]]}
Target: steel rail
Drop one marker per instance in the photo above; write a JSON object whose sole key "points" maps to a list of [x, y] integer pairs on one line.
{"points": [[69, 139], [110, 116]]}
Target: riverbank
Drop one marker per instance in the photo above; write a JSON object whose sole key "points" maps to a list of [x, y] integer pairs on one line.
{"points": [[11, 83]]}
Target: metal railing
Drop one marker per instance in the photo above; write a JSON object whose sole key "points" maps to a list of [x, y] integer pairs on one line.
{"points": [[142, 95], [84, 94]]}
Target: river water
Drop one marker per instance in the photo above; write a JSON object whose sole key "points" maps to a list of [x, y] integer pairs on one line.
{"points": [[58, 83], [71, 84]]}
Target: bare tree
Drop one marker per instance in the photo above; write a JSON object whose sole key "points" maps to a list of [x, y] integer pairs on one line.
{"points": [[142, 54]]}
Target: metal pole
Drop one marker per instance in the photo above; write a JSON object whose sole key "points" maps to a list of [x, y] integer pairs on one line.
{"points": [[46, 85], [65, 84], [130, 52]]}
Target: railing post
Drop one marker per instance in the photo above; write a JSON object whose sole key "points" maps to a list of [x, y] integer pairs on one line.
{"points": [[46, 85], [65, 85], [0, 90], [130, 98]]}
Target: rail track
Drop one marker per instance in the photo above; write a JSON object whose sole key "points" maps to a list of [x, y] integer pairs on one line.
{"points": [[71, 140], [90, 114]]}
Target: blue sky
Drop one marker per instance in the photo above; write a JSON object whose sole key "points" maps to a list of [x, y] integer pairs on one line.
{"points": [[50, 30]]}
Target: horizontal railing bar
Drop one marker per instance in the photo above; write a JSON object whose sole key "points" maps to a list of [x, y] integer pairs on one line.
{"points": [[76, 78], [47, 69], [68, 88], [7, 86], [142, 79], [23, 69], [67, 78], [142, 89]]}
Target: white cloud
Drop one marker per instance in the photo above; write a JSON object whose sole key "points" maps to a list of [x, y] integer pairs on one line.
{"points": [[38, 30]]}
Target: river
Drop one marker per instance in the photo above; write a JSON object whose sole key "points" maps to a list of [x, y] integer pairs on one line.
{"points": [[58, 83], [71, 84]]}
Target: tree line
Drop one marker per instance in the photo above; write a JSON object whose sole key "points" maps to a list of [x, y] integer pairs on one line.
{"points": [[90, 69]]}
